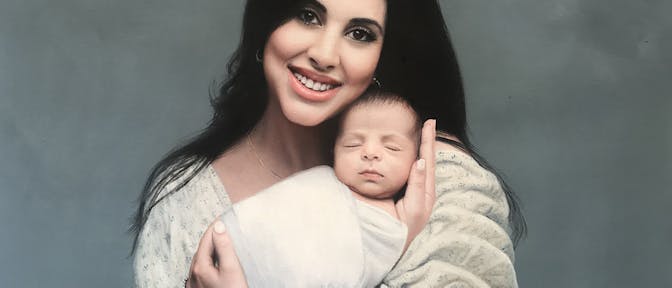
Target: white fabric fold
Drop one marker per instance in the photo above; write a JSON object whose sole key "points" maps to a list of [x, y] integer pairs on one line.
{"points": [[309, 231]]}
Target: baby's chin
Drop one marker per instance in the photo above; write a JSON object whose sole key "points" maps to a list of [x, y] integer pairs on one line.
{"points": [[374, 192]]}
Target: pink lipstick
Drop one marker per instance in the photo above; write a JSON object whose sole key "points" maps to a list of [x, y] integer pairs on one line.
{"points": [[312, 86]]}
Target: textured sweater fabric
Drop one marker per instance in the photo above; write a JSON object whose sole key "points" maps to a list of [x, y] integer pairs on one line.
{"points": [[466, 242]]}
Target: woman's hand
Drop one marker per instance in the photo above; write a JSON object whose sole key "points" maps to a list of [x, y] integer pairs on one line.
{"points": [[215, 263], [416, 206]]}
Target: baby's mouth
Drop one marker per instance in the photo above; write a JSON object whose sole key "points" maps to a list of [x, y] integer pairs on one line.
{"points": [[371, 173]]}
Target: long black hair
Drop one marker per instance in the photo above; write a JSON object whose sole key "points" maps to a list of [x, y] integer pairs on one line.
{"points": [[415, 42], [418, 62]]}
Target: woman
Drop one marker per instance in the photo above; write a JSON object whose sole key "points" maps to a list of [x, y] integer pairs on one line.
{"points": [[269, 124]]}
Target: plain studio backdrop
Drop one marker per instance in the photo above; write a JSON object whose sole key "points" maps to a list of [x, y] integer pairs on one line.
{"points": [[569, 99]]}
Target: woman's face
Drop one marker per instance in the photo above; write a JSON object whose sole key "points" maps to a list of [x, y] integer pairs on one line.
{"points": [[323, 57]]}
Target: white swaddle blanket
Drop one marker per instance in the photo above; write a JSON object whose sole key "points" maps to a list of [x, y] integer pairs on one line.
{"points": [[309, 231]]}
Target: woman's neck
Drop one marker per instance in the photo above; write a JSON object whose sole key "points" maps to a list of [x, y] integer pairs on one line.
{"points": [[284, 147], [274, 149]]}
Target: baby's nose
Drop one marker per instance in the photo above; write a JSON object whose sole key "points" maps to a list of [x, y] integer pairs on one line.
{"points": [[370, 153]]}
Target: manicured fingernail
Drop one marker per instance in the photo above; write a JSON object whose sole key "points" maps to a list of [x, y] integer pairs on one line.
{"points": [[421, 164], [220, 227]]}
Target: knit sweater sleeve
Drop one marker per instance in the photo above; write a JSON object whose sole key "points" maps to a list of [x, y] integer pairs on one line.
{"points": [[466, 242], [174, 227]]}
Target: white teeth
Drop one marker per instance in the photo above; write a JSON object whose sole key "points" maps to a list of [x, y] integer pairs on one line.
{"points": [[312, 84]]}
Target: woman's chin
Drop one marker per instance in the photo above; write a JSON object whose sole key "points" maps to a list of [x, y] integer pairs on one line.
{"points": [[305, 119], [306, 114]]}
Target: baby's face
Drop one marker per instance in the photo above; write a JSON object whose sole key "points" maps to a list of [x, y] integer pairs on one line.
{"points": [[376, 148]]}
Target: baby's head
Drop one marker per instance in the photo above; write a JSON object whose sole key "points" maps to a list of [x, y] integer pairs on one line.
{"points": [[377, 143]]}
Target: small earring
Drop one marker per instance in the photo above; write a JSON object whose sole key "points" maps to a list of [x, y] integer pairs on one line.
{"points": [[259, 56], [375, 80]]}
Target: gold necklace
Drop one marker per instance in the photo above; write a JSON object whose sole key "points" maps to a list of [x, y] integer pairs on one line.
{"points": [[261, 162]]}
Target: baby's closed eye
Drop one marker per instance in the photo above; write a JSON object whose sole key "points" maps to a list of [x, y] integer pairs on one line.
{"points": [[395, 148], [352, 144]]}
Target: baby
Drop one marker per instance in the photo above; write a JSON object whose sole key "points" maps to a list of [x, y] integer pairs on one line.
{"points": [[338, 227], [376, 146]]}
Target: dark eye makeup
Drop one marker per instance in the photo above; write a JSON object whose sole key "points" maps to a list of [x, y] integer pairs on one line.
{"points": [[358, 31], [309, 16], [362, 34]]}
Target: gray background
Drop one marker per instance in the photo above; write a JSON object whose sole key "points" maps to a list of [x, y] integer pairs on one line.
{"points": [[569, 99]]}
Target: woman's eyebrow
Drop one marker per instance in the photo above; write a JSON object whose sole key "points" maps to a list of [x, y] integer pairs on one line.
{"points": [[356, 21], [319, 6], [367, 21]]}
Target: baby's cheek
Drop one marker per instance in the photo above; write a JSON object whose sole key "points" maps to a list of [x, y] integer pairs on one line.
{"points": [[341, 167], [407, 160]]}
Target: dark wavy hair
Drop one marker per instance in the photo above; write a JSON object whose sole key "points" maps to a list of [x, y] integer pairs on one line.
{"points": [[417, 61]]}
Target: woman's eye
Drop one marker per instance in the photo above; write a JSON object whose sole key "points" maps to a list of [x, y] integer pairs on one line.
{"points": [[351, 145], [308, 17], [362, 35]]}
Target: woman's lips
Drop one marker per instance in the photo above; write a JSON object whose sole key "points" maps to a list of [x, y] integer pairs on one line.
{"points": [[311, 86], [314, 76]]}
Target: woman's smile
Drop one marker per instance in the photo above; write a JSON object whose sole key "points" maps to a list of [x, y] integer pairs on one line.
{"points": [[311, 86]]}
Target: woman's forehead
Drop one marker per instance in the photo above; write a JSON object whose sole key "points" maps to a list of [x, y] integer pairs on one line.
{"points": [[354, 9]]}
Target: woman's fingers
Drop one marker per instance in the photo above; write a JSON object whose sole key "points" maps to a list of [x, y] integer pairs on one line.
{"points": [[230, 271], [416, 206], [224, 250], [203, 257], [420, 189], [215, 263], [414, 200], [427, 139], [427, 148], [203, 270]]}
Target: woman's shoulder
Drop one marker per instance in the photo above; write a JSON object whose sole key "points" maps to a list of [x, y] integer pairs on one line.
{"points": [[194, 182], [174, 227], [190, 201]]}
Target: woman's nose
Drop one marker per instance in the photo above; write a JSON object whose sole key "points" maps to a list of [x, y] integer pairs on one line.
{"points": [[324, 52]]}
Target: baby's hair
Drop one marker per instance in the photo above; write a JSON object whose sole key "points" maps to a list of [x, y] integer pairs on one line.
{"points": [[376, 96]]}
